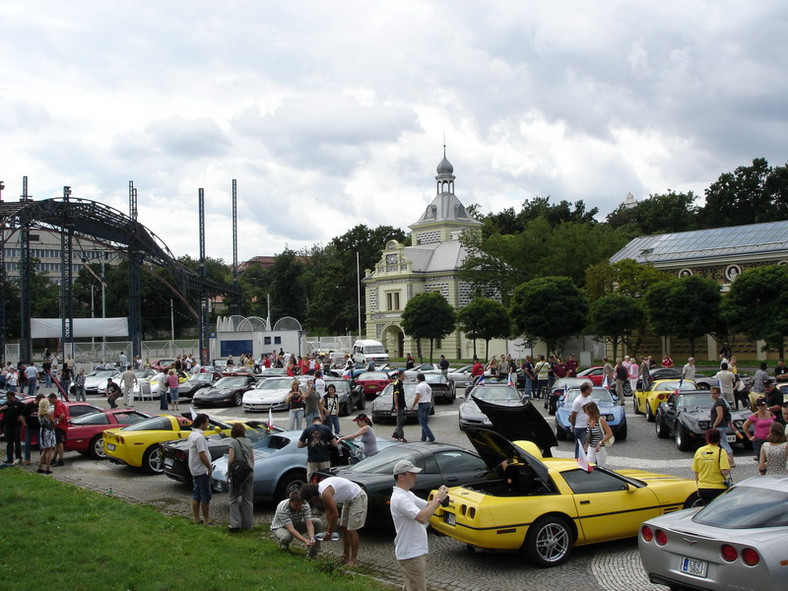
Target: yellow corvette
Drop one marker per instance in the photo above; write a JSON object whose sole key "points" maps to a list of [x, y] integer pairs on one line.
{"points": [[546, 506], [137, 445], [647, 401]]}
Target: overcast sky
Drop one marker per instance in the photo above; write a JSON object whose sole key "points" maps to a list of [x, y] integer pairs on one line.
{"points": [[331, 114]]}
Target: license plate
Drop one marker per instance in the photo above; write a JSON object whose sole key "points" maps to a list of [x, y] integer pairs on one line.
{"points": [[168, 462], [693, 567], [111, 446], [451, 518], [731, 438]]}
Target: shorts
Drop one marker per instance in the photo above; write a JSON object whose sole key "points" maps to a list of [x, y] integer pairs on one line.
{"points": [[174, 395], [354, 513], [201, 488], [60, 436]]}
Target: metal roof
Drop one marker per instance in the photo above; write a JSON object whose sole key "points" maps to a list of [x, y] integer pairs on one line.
{"points": [[752, 241]]}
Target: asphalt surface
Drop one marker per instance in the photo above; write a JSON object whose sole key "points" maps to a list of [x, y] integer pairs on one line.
{"points": [[605, 567]]}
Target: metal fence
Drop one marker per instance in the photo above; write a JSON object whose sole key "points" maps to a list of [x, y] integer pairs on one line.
{"points": [[97, 351]]}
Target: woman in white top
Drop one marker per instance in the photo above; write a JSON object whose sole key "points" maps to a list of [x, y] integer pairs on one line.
{"points": [[598, 432]]}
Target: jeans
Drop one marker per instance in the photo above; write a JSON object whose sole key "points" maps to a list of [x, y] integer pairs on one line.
{"points": [[65, 384], [333, 422], [31, 387], [29, 441], [424, 420], [47, 379], [579, 435], [528, 387], [296, 418], [79, 393], [399, 432], [12, 443], [757, 444], [724, 439]]}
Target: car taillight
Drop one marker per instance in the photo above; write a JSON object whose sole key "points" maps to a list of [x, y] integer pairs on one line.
{"points": [[728, 553], [661, 537], [646, 533], [750, 557], [661, 396]]}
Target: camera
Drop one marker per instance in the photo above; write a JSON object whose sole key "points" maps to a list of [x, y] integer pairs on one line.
{"points": [[445, 502]]}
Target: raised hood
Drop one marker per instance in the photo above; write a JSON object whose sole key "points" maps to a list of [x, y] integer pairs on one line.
{"points": [[520, 422], [495, 449]]}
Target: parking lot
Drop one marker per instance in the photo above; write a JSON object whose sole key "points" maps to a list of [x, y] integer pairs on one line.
{"points": [[611, 566]]}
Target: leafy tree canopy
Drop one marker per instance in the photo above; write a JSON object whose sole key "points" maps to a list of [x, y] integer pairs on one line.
{"points": [[615, 317], [484, 318], [657, 214], [428, 316]]}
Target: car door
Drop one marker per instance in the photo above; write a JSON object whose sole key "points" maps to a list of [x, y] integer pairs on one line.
{"points": [[459, 467], [608, 507]]}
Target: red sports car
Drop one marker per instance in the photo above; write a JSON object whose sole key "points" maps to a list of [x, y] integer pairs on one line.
{"points": [[73, 410], [596, 374], [85, 434], [372, 383]]}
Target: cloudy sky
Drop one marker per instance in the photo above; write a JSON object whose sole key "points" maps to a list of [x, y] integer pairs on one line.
{"points": [[331, 114]]}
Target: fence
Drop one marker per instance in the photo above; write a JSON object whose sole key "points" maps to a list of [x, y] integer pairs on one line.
{"points": [[97, 351]]}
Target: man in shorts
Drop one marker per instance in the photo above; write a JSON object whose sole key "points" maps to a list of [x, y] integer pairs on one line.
{"points": [[201, 469], [330, 493], [318, 439]]}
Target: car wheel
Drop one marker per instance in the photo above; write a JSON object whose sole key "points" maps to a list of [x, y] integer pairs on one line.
{"points": [[344, 409], [560, 434], [682, 440], [290, 482], [691, 500], [239, 398], [151, 460], [96, 448], [649, 413], [622, 433], [549, 541], [461, 426], [361, 403], [660, 427]]}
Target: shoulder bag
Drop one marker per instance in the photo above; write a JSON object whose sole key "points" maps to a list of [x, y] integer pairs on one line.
{"points": [[239, 467]]}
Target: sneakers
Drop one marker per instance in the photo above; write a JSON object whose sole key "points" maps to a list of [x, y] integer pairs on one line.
{"points": [[59, 463]]}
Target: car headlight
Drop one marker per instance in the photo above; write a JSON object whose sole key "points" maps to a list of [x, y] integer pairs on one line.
{"points": [[738, 424], [609, 418], [703, 425]]}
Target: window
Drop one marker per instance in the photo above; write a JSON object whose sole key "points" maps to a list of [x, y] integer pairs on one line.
{"points": [[267, 340], [277, 340], [582, 482], [392, 299]]}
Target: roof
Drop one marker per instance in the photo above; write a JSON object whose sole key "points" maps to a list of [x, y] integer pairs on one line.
{"points": [[438, 256], [752, 241]]}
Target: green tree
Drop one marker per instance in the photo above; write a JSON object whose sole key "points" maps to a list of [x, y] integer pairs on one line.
{"points": [[686, 308], [428, 316], [484, 318], [748, 195], [616, 317], [757, 305], [626, 277], [548, 308], [657, 214]]}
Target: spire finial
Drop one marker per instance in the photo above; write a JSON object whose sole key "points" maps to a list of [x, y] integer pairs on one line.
{"points": [[444, 144]]}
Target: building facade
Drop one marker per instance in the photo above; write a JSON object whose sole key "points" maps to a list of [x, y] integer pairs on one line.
{"points": [[429, 265]]}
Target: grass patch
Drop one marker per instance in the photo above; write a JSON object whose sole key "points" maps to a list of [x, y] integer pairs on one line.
{"points": [[59, 536]]}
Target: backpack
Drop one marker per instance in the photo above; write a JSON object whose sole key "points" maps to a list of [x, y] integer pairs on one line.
{"points": [[621, 372]]}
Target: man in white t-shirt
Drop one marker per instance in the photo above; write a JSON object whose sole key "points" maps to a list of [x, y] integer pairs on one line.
{"points": [[200, 468], [328, 494], [422, 404], [320, 384], [578, 418], [411, 516]]}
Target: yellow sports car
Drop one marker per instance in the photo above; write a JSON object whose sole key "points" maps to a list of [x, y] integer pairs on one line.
{"points": [[546, 506], [646, 401], [137, 445]]}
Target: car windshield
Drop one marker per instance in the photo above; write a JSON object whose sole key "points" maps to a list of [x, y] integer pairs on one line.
{"points": [[275, 384], [372, 375], [597, 395], [383, 462], [695, 400], [743, 507], [340, 385], [103, 373], [496, 393], [434, 378], [374, 350], [675, 385], [151, 424], [230, 382], [200, 377]]}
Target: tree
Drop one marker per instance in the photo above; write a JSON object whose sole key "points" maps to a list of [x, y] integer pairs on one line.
{"points": [[657, 214], [685, 308], [548, 308], [757, 305], [428, 316], [748, 195], [615, 317], [484, 318]]}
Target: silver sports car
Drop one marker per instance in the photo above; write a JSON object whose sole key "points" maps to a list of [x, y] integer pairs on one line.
{"points": [[738, 541]]}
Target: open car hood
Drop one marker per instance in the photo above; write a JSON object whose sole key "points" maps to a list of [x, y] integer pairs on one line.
{"points": [[495, 449], [520, 422]]}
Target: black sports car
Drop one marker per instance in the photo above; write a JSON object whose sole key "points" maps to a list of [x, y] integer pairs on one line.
{"points": [[196, 382], [176, 452], [441, 463], [686, 418], [228, 391], [349, 398]]}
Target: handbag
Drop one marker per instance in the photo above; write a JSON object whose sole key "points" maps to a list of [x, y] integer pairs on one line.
{"points": [[240, 469], [610, 442]]}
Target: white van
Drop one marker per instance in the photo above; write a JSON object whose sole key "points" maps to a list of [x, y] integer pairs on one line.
{"points": [[366, 350]]}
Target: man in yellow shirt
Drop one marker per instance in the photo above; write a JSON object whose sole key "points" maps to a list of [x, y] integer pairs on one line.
{"points": [[711, 467]]}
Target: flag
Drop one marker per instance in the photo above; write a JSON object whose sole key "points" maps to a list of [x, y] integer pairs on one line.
{"points": [[582, 461], [194, 412], [480, 381], [678, 388], [512, 383], [270, 419], [606, 384]]}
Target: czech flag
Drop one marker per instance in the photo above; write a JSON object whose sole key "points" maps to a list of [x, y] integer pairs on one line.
{"points": [[270, 419], [480, 381], [582, 460], [678, 388], [512, 383], [606, 384]]}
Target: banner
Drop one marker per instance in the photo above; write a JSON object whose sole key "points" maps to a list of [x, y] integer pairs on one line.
{"points": [[52, 328]]}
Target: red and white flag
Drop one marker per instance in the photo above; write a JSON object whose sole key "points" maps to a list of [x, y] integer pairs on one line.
{"points": [[270, 419], [582, 460]]}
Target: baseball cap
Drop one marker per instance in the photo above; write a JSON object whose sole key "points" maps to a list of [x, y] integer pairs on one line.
{"points": [[760, 401], [361, 417], [404, 466], [767, 381]]}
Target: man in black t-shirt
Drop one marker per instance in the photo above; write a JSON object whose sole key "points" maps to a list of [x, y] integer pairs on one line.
{"points": [[12, 423], [399, 405], [30, 421], [318, 439], [113, 393], [774, 398]]}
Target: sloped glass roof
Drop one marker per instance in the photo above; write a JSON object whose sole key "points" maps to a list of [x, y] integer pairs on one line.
{"points": [[751, 240]]}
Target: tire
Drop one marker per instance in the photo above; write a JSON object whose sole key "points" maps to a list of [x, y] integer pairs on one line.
{"points": [[361, 403], [96, 448], [691, 500], [622, 434], [549, 541], [344, 409], [560, 434], [682, 439], [152, 460], [239, 398], [635, 405], [649, 413], [291, 481], [661, 428]]}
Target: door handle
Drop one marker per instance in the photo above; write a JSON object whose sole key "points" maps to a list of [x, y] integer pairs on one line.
{"points": [[585, 502]]}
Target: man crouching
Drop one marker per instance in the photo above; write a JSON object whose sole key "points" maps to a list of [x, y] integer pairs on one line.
{"points": [[293, 519]]}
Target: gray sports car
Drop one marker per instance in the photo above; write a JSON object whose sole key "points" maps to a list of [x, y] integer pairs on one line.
{"points": [[736, 542]]}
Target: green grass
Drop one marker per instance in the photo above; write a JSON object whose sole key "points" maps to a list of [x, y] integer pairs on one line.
{"points": [[58, 536]]}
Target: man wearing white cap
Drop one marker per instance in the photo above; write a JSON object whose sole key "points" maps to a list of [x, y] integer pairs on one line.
{"points": [[411, 515]]}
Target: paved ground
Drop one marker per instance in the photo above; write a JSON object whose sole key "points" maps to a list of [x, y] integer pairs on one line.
{"points": [[605, 567]]}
